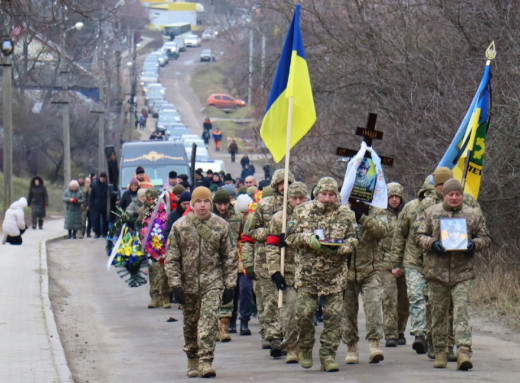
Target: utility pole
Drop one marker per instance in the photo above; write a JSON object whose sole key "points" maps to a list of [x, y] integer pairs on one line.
{"points": [[250, 82], [7, 49], [101, 115], [65, 107]]}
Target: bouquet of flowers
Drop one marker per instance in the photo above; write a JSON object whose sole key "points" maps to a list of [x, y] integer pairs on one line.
{"points": [[152, 234], [127, 258]]}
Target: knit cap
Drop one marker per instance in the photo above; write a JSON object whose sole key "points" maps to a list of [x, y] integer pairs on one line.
{"points": [[441, 175], [231, 190], [242, 190], [297, 189], [151, 192], [201, 193], [267, 191], [185, 196], [134, 181], [221, 196], [251, 190], [178, 189], [242, 203], [452, 185]]}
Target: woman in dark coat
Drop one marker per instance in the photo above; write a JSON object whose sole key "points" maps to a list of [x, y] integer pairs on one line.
{"points": [[38, 200], [73, 198]]}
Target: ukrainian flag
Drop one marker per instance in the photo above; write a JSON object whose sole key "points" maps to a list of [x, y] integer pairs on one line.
{"points": [[291, 80], [471, 136]]}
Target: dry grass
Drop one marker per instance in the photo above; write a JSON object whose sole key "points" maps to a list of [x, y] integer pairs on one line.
{"points": [[497, 286]]}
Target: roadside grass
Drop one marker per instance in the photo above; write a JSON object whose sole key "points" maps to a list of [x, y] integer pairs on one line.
{"points": [[21, 189], [496, 289], [206, 81]]}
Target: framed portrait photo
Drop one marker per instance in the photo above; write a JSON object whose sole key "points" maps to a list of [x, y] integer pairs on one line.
{"points": [[454, 234]]}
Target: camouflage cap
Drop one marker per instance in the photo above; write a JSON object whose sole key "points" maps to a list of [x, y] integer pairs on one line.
{"points": [[151, 192], [297, 189], [267, 191], [278, 178], [178, 189], [394, 188], [251, 190], [326, 184]]}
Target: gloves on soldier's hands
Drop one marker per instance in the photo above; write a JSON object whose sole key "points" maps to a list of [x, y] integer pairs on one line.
{"points": [[281, 240], [178, 294], [329, 250], [315, 243], [279, 280], [470, 251], [438, 248], [228, 296], [250, 272]]}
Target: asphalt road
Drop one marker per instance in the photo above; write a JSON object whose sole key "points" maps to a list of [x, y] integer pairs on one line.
{"points": [[110, 336]]}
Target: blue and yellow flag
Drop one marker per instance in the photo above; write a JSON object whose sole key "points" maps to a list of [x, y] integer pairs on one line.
{"points": [[291, 79], [471, 136]]}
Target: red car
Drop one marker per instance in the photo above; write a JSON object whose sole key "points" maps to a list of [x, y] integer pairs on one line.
{"points": [[224, 101]]}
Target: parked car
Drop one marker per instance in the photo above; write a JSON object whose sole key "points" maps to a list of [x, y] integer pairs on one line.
{"points": [[153, 93], [154, 86], [174, 132], [180, 43], [192, 41], [149, 77], [157, 106], [207, 55], [162, 57], [189, 136], [224, 101]]}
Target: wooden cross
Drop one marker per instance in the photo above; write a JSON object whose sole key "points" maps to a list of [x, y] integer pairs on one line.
{"points": [[368, 133]]}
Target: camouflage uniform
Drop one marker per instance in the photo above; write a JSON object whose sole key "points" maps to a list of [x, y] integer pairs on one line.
{"points": [[273, 252], [321, 272], [363, 278], [450, 275], [85, 189], [405, 255], [203, 268], [235, 222], [253, 254]]}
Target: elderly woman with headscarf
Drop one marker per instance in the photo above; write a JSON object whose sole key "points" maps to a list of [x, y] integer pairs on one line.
{"points": [[73, 198]]}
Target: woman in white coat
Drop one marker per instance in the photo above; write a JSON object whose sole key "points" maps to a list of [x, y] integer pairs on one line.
{"points": [[14, 222]]}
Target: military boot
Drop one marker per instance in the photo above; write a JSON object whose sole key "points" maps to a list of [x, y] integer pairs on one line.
{"points": [[391, 342], [193, 367], [441, 359], [205, 369], [266, 344], [452, 357], [276, 348], [463, 359], [224, 330], [306, 359], [419, 344], [156, 302], [352, 354], [292, 356], [165, 301], [233, 327], [244, 329], [375, 355], [431, 351], [401, 340], [329, 364]]}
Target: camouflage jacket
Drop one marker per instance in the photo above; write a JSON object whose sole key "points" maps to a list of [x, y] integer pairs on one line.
{"points": [[434, 198], [86, 192], [366, 260], [199, 265], [317, 271], [404, 253], [273, 252], [235, 222], [255, 234], [453, 266], [389, 218]]}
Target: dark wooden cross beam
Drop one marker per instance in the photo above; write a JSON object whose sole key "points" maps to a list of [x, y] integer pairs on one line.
{"points": [[368, 133]]}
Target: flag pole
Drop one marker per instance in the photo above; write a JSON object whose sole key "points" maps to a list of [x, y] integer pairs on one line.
{"points": [[285, 190]]}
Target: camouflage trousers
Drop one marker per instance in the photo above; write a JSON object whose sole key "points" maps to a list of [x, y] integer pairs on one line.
{"points": [[420, 311], [395, 304], [201, 324], [267, 306], [288, 318], [84, 212], [306, 305], [226, 311], [442, 296], [370, 289], [158, 280]]}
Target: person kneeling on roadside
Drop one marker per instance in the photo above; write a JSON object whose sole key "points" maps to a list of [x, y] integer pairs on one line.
{"points": [[14, 222]]}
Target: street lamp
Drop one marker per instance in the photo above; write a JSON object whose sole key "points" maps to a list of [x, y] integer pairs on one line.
{"points": [[7, 48], [66, 111]]}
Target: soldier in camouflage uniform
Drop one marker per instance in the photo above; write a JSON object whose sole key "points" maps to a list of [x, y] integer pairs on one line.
{"points": [[395, 300], [297, 194], [201, 265], [363, 278], [253, 254], [441, 175], [405, 255], [222, 208], [321, 270], [85, 188], [450, 273], [159, 289]]}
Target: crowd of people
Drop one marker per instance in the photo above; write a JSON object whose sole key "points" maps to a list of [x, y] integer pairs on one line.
{"points": [[223, 242]]}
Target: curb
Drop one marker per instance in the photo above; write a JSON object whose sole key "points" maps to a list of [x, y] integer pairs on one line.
{"points": [[59, 360]]}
